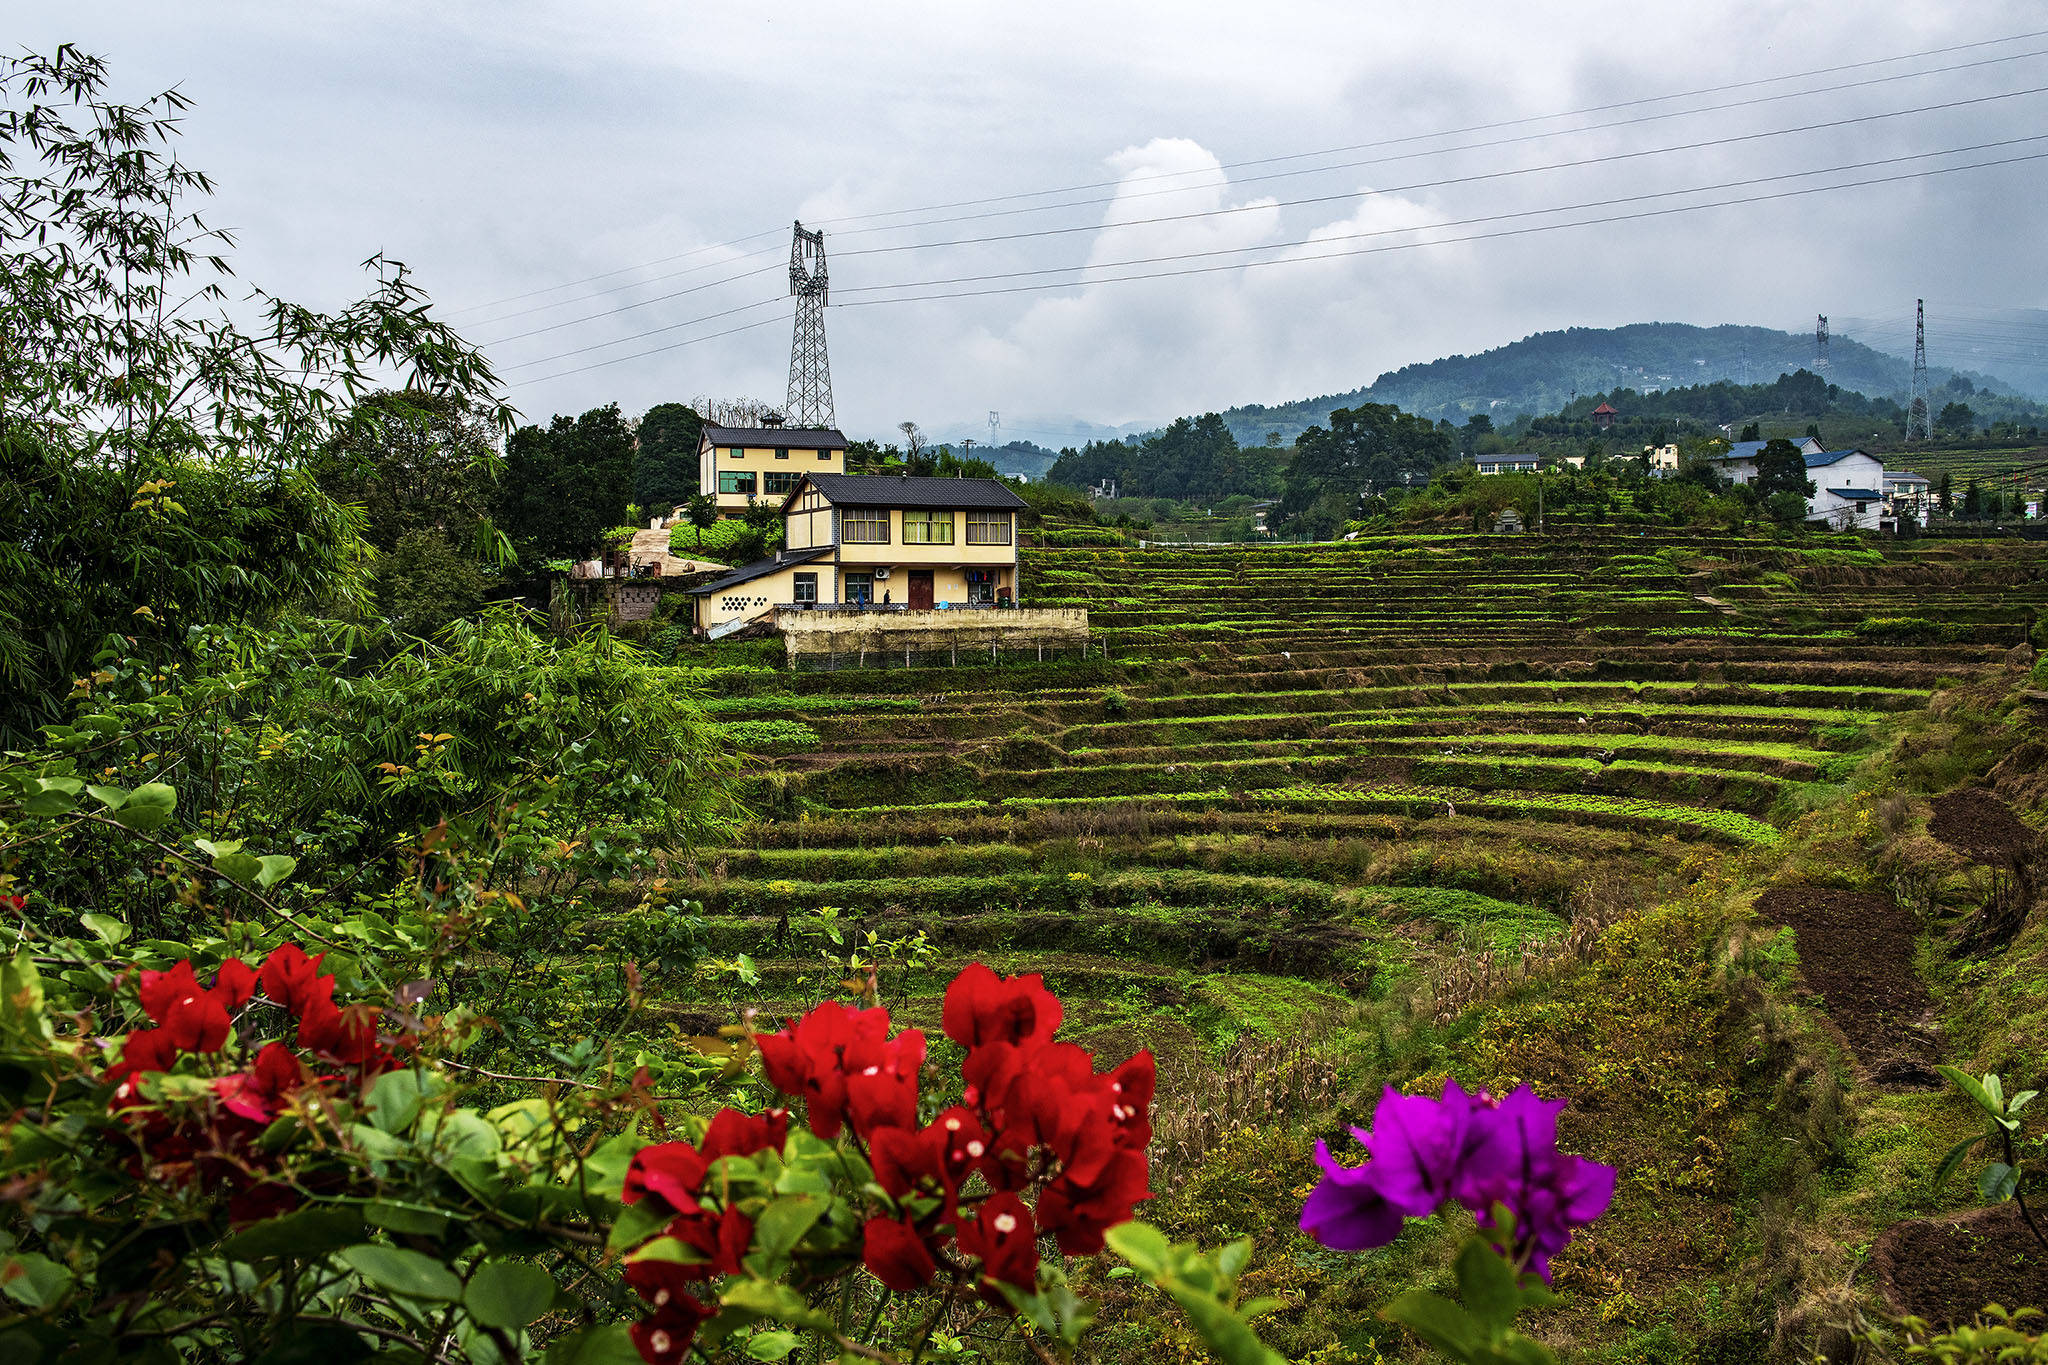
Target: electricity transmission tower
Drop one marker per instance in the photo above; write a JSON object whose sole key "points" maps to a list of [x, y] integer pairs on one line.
{"points": [[810, 370], [995, 426], [1820, 344], [1918, 422]]}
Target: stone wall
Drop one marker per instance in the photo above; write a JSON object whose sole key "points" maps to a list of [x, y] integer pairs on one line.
{"points": [[881, 639]]}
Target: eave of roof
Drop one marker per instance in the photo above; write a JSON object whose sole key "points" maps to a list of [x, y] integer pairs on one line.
{"points": [[897, 490], [800, 438], [1857, 494], [761, 568]]}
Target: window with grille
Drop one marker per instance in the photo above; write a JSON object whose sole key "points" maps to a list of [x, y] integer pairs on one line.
{"points": [[927, 528], [988, 528], [864, 526], [860, 587], [779, 484], [735, 480], [805, 588]]}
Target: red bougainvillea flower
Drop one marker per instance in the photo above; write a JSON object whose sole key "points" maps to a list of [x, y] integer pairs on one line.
{"points": [[672, 1172], [664, 1337], [194, 1018], [1077, 1215], [722, 1241], [894, 1254], [293, 980], [15, 903], [260, 1092], [844, 1066], [733, 1133], [343, 1034], [1002, 1236], [933, 1160], [982, 1007]]}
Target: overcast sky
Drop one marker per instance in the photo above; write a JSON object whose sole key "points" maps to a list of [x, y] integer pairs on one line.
{"points": [[506, 148]]}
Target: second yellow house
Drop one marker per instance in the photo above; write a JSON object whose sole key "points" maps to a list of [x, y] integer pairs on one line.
{"points": [[742, 466], [855, 542]]}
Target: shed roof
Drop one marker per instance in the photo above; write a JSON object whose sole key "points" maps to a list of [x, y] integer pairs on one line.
{"points": [[1605, 408], [761, 568], [1903, 476], [803, 438], [1857, 494], [899, 490]]}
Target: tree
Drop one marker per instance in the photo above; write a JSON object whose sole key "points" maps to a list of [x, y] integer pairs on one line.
{"points": [[154, 453], [1944, 492], [1363, 450], [702, 510], [1973, 499], [1751, 432], [565, 485], [665, 456], [1780, 468], [913, 440], [1956, 419]]}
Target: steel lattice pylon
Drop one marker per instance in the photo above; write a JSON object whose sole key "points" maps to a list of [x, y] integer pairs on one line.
{"points": [[1919, 422], [810, 369]]}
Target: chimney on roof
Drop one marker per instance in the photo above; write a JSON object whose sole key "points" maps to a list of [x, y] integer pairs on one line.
{"points": [[771, 419], [778, 556], [905, 476]]}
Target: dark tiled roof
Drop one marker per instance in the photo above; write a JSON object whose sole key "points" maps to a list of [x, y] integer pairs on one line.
{"points": [[761, 568], [801, 438], [896, 490], [1857, 494], [1828, 457]]}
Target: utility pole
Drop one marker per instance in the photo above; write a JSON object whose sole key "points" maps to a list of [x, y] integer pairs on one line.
{"points": [[967, 444], [810, 370], [1918, 421], [1820, 345]]}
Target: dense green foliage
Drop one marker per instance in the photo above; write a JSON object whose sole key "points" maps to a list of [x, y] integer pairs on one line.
{"points": [[665, 473], [566, 484]]}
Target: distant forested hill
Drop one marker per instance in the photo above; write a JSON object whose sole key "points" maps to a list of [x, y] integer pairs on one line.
{"points": [[1542, 373]]}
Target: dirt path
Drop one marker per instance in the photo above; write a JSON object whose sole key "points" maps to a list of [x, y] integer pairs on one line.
{"points": [[1856, 954]]}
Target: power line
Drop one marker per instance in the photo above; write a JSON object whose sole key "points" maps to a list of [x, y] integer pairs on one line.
{"points": [[1451, 223], [1468, 147], [627, 308], [1272, 160], [1476, 237], [1454, 180], [1357, 251]]}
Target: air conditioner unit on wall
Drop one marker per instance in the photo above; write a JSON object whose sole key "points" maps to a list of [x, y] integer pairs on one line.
{"points": [[881, 575]]}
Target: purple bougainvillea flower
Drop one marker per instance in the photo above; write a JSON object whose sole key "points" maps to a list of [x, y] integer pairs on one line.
{"points": [[1347, 1212], [1421, 1147], [1516, 1164]]}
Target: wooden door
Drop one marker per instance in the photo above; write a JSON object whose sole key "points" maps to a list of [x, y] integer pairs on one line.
{"points": [[920, 589]]}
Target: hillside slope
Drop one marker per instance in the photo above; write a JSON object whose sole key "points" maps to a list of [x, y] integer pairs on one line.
{"points": [[1541, 373]]}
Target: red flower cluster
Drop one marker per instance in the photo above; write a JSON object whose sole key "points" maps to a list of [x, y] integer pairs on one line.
{"points": [[1034, 1118], [672, 1176], [188, 1018]]}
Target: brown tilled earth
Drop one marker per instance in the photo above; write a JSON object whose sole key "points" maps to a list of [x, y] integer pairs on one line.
{"points": [[1978, 823], [1856, 953], [1947, 1269]]}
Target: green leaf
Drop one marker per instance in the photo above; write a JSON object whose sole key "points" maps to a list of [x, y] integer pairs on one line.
{"points": [[1953, 1159], [113, 798], [508, 1294], [1999, 1182], [106, 928], [409, 1219], [33, 1281], [239, 867], [636, 1224], [1143, 1245], [403, 1272], [273, 868], [2020, 1101], [768, 1299], [770, 1345], [1971, 1086], [1486, 1285], [393, 1100], [149, 806], [608, 1345], [301, 1236], [780, 1227], [1439, 1322]]}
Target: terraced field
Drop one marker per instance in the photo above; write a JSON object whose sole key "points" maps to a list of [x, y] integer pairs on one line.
{"points": [[1306, 776]]}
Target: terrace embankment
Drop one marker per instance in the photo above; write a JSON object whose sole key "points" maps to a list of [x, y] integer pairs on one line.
{"points": [[1314, 793]]}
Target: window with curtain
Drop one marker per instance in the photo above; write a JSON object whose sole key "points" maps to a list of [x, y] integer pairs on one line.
{"points": [[927, 528], [864, 526], [988, 528]]}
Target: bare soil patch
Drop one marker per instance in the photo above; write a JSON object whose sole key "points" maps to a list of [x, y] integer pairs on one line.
{"points": [[1947, 1269], [1856, 953], [1978, 823]]}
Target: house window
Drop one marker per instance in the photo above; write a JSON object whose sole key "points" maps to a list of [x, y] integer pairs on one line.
{"points": [[782, 452], [779, 483], [864, 526], [805, 588], [988, 528], [824, 454], [736, 481], [859, 588], [981, 583], [735, 453], [927, 528]]}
